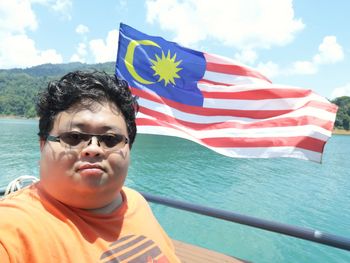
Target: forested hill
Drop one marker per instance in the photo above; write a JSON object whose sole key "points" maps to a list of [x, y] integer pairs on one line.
{"points": [[47, 70], [19, 88]]}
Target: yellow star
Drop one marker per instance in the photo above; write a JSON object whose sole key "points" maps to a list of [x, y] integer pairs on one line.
{"points": [[166, 68]]}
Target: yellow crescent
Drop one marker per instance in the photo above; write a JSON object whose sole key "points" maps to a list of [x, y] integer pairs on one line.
{"points": [[129, 58]]}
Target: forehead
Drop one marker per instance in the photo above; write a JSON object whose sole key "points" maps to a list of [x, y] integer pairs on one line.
{"points": [[93, 117]]}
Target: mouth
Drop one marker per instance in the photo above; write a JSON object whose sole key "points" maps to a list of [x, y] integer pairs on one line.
{"points": [[90, 169], [90, 166]]}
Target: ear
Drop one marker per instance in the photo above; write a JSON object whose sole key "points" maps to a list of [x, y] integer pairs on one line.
{"points": [[42, 144]]}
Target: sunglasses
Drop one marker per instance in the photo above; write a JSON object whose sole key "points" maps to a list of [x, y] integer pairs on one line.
{"points": [[76, 139]]}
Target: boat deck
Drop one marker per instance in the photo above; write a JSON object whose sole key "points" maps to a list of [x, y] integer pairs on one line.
{"points": [[188, 253]]}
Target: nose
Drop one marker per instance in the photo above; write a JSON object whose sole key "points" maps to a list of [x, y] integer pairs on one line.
{"points": [[93, 148]]}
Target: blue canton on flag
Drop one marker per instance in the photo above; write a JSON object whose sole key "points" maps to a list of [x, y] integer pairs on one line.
{"points": [[164, 67]]}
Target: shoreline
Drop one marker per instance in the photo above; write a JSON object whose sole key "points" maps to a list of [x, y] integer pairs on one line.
{"points": [[335, 131], [14, 117], [341, 132]]}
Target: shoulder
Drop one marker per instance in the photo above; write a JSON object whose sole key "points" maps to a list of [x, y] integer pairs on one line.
{"points": [[19, 204], [134, 200], [132, 194], [26, 206], [17, 216], [20, 197]]}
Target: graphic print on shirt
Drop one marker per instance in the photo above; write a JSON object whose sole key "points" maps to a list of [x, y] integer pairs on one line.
{"points": [[133, 249]]}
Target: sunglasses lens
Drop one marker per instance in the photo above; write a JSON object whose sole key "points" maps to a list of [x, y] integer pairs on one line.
{"points": [[111, 140], [107, 140], [73, 138]]}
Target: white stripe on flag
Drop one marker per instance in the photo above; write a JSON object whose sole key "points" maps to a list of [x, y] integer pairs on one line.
{"points": [[232, 79], [194, 118], [245, 152], [265, 104]]}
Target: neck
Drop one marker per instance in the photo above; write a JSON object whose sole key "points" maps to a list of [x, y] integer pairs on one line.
{"points": [[109, 208]]}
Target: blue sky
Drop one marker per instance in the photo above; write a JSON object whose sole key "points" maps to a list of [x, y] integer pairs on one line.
{"points": [[305, 43]]}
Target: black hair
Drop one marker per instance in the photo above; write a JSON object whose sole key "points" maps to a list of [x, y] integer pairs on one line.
{"points": [[85, 87]]}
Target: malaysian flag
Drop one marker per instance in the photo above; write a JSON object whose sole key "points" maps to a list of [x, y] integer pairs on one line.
{"points": [[220, 104]]}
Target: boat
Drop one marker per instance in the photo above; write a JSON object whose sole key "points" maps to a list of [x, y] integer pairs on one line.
{"points": [[189, 253]]}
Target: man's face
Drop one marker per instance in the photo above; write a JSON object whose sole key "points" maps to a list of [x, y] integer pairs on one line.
{"points": [[88, 177]]}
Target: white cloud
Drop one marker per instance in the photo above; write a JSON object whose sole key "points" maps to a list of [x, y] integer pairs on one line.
{"points": [[269, 69], [247, 56], [20, 51], [303, 68], [16, 48], [105, 50], [233, 23], [80, 56], [341, 91], [245, 25], [329, 51], [63, 7], [123, 4], [97, 50], [81, 29], [10, 23]]}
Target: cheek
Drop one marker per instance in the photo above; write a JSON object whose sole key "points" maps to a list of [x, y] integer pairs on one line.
{"points": [[55, 163], [119, 163]]}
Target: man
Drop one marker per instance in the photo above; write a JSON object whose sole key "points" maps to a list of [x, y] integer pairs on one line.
{"points": [[79, 211]]}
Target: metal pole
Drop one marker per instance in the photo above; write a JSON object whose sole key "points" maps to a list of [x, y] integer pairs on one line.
{"points": [[295, 231]]}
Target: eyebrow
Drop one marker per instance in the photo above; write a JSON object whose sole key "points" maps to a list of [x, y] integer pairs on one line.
{"points": [[83, 126]]}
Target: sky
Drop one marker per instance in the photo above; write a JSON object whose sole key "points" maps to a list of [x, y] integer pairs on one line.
{"points": [[303, 43]]}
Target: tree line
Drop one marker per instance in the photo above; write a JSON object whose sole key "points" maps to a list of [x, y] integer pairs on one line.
{"points": [[19, 89], [342, 120]]}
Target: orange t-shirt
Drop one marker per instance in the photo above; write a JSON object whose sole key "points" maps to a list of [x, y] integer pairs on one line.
{"points": [[34, 227]]}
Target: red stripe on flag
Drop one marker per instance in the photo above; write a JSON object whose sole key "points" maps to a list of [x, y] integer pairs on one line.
{"points": [[206, 81], [259, 94], [280, 122], [303, 142], [234, 70]]}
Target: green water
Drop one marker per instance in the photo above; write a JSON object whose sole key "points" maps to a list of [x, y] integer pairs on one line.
{"points": [[289, 191]]}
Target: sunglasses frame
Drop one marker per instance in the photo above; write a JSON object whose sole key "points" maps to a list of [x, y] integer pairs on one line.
{"points": [[99, 137]]}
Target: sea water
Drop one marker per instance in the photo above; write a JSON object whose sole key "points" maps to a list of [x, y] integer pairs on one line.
{"points": [[291, 191]]}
